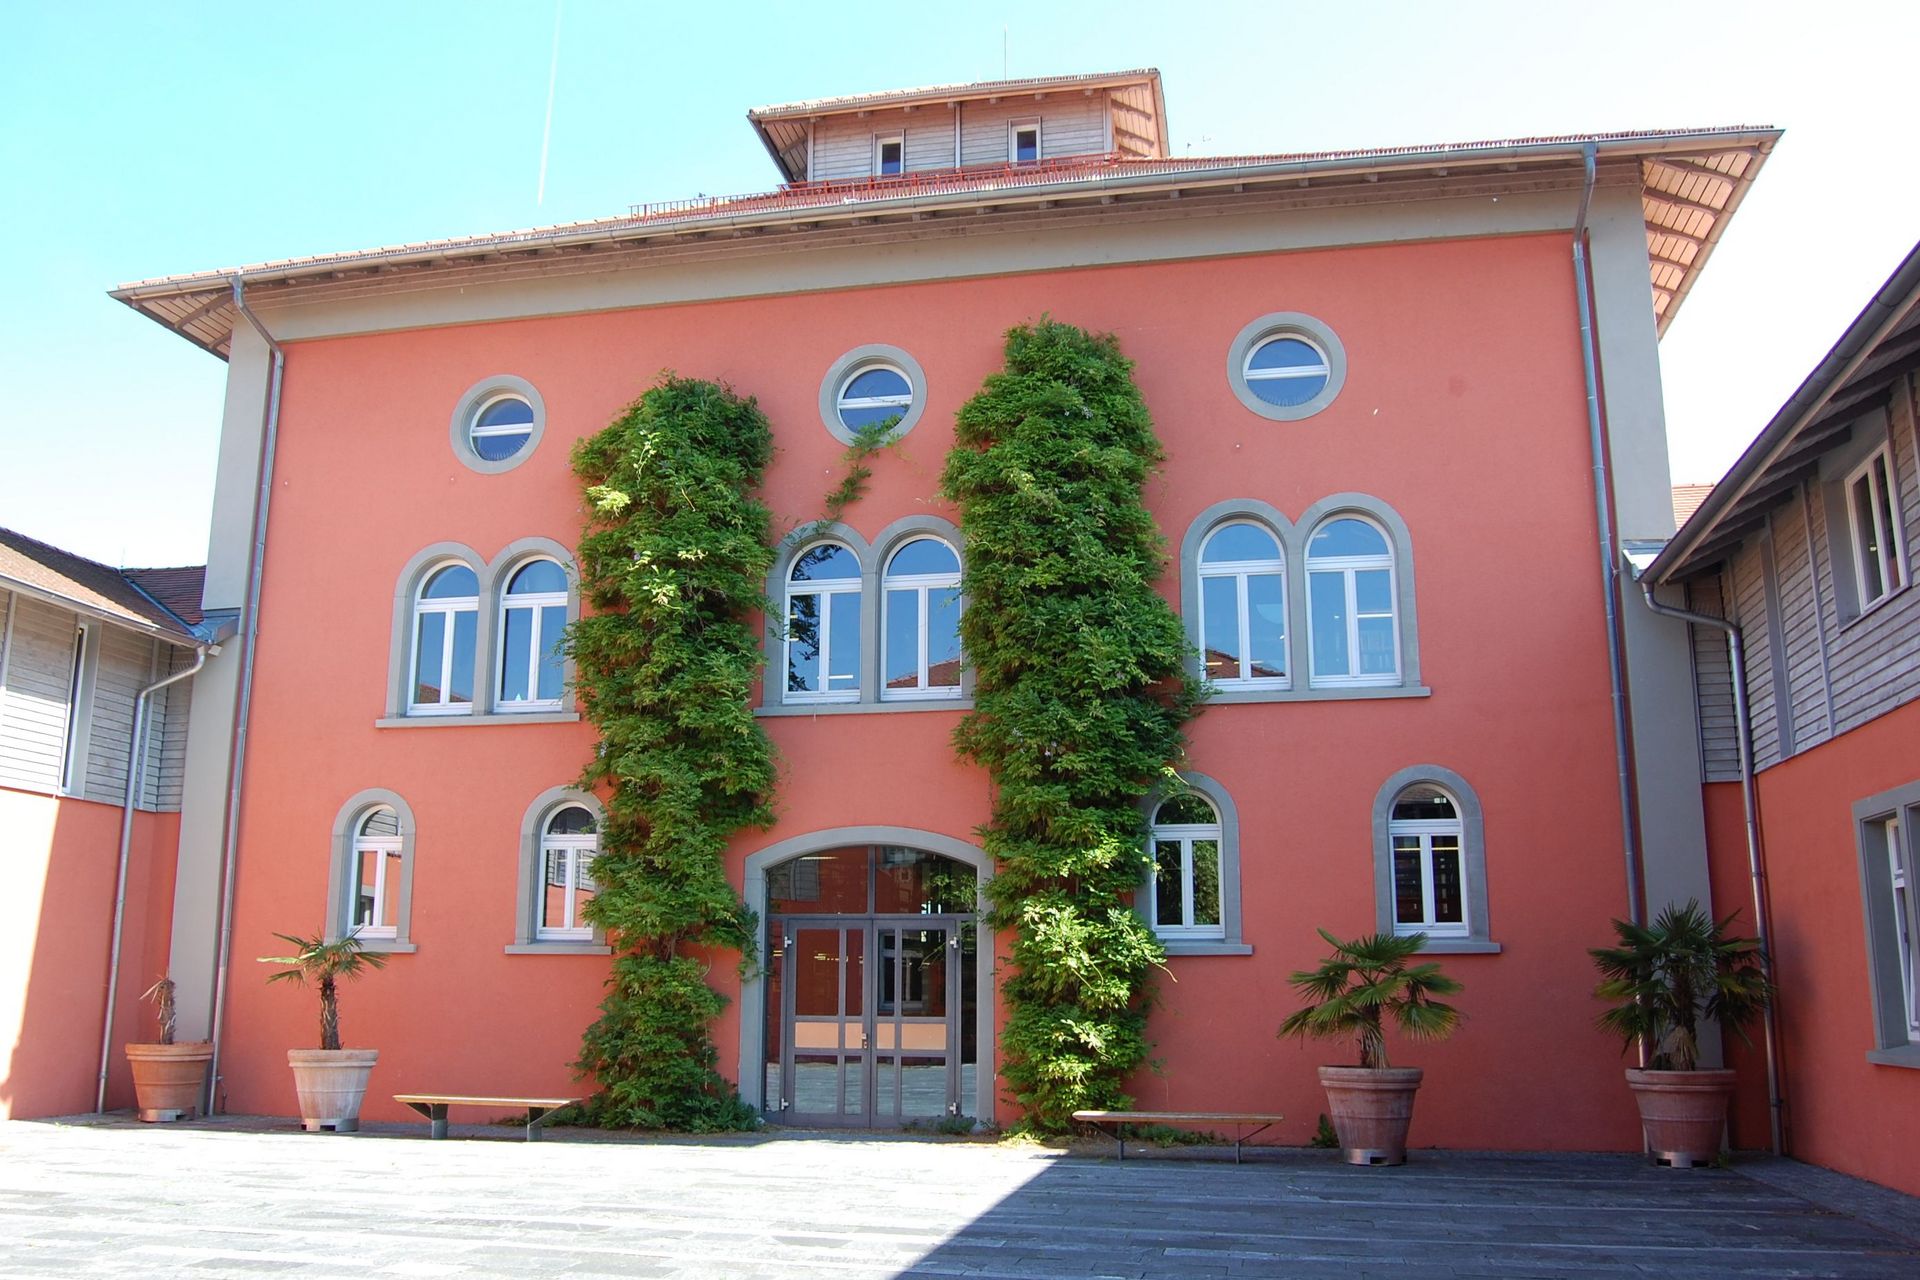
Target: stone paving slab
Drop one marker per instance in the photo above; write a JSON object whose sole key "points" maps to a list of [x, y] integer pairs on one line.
{"points": [[250, 1198]]}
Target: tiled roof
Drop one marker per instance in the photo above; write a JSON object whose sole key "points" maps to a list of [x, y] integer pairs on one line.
{"points": [[973, 89], [177, 589], [1687, 499], [94, 587]]}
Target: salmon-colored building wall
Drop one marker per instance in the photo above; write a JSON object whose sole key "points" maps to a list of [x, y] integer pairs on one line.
{"points": [[1841, 1111], [1462, 410], [56, 924]]}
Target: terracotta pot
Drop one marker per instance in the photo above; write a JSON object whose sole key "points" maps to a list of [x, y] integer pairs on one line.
{"points": [[1372, 1108], [331, 1084], [168, 1079], [1683, 1113]]}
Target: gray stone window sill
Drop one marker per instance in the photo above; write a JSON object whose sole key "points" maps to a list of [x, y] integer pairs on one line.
{"points": [[497, 717], [389, 946], [1196, 947], [1460, 947], [865, 708], [1905, 1055], [1220, 697], [559, 949]]}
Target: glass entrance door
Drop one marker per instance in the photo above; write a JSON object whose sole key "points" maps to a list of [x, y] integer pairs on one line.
{"points": [[871, 1020]]}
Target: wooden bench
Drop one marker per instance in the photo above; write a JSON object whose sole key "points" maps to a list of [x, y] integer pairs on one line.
{"points": [[433, 1107], [1245, 1124]]}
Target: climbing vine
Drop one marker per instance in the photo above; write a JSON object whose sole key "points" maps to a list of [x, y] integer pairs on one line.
{"points": [[857, 458], [673, 562], [1081, 696]]}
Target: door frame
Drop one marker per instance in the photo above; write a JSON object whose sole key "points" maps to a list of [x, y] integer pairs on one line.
{"points": [[751, 1069]]}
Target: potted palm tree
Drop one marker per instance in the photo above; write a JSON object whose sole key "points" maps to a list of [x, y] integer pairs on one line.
{"points": [[331, 1081], [168, 1078], [1664, 978], [1358, 991]]}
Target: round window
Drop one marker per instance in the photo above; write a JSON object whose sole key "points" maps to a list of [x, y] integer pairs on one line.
{"points": [[1286, 371], [872, 386], [1286, 366], [872, 395], [501, 428]]}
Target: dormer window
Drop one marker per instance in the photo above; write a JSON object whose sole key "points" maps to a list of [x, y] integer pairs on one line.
{"points": [[889, 155], [1024, 144]]}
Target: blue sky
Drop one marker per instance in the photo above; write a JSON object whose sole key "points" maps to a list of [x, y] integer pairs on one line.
{"points": [[140, 140]]}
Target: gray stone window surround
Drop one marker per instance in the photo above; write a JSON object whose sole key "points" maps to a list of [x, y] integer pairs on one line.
{"points": [[1293, 537], [873, 557], [1893, 1043], [753, 985], [493, 577], [340, 870], [852, 362], [532, 873], [1284, 324], [469, 404], [1473, 857], [1234, 943]]}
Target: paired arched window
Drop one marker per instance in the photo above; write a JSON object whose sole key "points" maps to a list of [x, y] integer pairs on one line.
{"points": [[921, 591], [569, 842], [533, 620], [377, 875], [1351, 605], [446, 624], [1184, 898], [1243, 607], [823, 625]]}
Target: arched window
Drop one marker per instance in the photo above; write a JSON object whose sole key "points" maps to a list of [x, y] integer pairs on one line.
{"points": [[823, 625], [1184, 897], [1243, 607], [1351, 604], [568, 845], [446, 620], [533, 620], [1429, 876], [376, 875], [922, 625]]}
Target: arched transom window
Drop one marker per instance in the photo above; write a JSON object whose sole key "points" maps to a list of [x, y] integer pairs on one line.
{"points": [[533, 621], [376, 875], [922, 627], [1351, 604], [1429, 877], [1184, 893], [446, 618], [569, 842], [823, 625], [1243, 607]]}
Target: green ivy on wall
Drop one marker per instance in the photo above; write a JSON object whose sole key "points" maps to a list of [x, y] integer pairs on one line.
{"points": [[1080, 696], [673, 563]]}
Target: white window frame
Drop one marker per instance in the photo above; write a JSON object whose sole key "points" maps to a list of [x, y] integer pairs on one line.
{"points": [[1349, 568], [447, 606], [1186, 833], [1906, 919], [1017, 127], [382, 848], [578, 853], [73, 744], [1240, 571], [537, 602], [1424, 830], [842, 402], [880, 141], [1883, 511], [1322, 371], [824, 588], [528, 429], [920, 584]]}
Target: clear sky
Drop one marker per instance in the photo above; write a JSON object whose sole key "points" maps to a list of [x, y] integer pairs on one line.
{"points": [[143, 139]]}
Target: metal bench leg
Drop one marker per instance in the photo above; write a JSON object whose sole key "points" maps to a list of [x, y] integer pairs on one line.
{"points": [[536, 1120], [439, 1118]]}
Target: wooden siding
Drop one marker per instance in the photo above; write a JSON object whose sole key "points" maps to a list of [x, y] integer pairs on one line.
{"points": [[123, 663], [1713, 682], [1070, 125], [33, 719], [1836, 673], [1136, 132], [168, 745]]}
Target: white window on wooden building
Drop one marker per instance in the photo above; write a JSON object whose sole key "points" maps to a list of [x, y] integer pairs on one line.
{"points": [[889, 155], [1023, 141], [1873, 521]]}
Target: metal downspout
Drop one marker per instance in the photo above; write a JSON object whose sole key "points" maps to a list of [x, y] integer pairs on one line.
{"points": [[1609, 571], [249, 634], [136, 757], [1756, 866]]}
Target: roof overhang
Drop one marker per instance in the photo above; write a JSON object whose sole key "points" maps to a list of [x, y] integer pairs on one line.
{"points": [[180, 634], [1714, 167], [1879, 347]]}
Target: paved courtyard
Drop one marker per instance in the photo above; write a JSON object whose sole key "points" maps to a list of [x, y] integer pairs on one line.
{"points": [[254, 1198]]}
